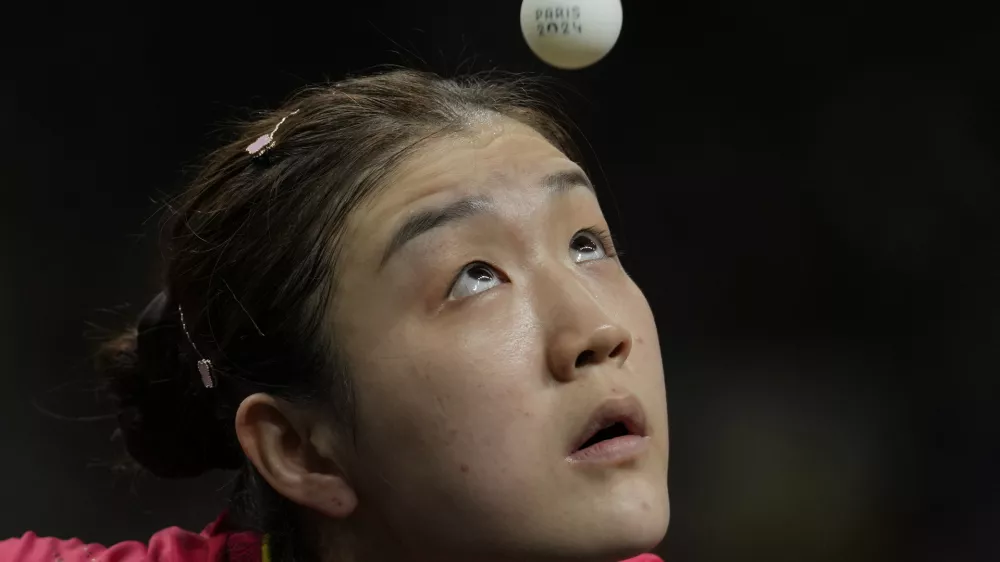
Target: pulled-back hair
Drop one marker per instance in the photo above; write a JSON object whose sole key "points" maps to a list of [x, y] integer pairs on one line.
{"points": [[250, 250]]}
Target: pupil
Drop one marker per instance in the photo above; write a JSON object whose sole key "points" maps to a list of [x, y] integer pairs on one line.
{"points": [[584, 244], [480, 273]]}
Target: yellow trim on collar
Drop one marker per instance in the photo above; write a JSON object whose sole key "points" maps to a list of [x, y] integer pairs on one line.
{"points": [[265, 548]]}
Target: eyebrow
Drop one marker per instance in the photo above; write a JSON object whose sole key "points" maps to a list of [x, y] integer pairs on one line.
{"points": [[566, 180], [429, 219]]}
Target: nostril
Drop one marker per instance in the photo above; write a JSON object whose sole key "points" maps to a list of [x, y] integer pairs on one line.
{"points": [[585, 357], [618, 350]]}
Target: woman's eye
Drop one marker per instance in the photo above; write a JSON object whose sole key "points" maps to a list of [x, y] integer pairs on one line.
{"points": [[586, 246], [474, 279]]}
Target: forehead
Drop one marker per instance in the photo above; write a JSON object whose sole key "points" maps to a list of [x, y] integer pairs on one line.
{"points": [[493, 155], [490, 153]]}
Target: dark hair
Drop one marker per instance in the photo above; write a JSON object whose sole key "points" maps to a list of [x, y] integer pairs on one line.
{"points": [[250, 249]]}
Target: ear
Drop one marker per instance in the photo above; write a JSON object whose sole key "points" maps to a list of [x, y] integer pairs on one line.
{"points": [[295, 455]]}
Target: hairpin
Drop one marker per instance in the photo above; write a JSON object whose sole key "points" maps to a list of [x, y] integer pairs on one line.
{"points": [[266, 141], [204, 365]]}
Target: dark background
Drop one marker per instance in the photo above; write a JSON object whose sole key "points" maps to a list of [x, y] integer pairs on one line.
{"points": [[809, 201]]}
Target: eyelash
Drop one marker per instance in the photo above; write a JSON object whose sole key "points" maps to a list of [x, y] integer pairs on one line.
{"points": [[606, 239]]}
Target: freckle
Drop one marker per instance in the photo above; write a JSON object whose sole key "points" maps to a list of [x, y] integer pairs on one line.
{"points": [[645, 506], [639, 340], [464, 467]]}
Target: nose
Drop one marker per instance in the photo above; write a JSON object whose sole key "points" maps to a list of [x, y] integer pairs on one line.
{"points": [[583, 336]]}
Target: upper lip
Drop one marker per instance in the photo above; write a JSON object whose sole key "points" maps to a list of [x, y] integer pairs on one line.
{"points": [[622, 409]]}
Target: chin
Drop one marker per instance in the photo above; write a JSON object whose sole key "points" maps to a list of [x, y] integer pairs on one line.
{"points": [[640, 532], [639, 522], [634, 526], [612, 534]]}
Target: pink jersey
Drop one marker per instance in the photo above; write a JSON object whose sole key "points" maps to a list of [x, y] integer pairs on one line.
{"points": [[214, 544]]}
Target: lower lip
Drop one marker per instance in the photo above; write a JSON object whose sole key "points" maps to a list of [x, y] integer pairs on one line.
{"points": [[611, 451]]}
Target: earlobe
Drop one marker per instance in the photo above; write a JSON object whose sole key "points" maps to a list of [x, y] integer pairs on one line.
{"points": [[293, 455]]}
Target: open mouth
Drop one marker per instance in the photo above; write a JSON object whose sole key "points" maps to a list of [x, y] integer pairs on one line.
{"points": [[615, 422], [616, 429]]}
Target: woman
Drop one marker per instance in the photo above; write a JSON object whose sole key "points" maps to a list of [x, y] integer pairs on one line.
{"points": [[395, 308]]}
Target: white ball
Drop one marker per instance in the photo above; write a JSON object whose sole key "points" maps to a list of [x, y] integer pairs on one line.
{"points": [[571, 34]]}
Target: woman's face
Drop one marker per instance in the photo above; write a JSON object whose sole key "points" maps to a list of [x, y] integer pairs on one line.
{"points": [[485, 321]]}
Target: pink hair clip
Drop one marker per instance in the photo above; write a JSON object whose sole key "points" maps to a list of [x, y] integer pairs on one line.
{"points": [[266, 141]]}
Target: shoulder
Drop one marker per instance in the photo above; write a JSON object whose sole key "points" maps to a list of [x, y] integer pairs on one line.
{"points": [[169, 545]]}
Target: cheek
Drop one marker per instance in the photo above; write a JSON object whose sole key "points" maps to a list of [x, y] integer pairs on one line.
{"points": [[439, 403], [646, 358], [645, 339], [640, 321]]}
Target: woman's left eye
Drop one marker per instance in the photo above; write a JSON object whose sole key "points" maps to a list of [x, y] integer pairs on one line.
{"points": [[587, 246]]}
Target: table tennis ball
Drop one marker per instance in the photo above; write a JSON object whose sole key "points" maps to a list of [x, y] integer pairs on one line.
{"points": [[571, 34]]}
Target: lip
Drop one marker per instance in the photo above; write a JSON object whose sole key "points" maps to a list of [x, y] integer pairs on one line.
{"points": [[611, 451], [624, 409]]}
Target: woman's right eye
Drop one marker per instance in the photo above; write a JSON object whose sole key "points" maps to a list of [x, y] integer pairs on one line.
{"points": [[474, 279]]}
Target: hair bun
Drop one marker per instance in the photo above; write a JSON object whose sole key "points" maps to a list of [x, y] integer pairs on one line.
{"points": [[169, 421]]}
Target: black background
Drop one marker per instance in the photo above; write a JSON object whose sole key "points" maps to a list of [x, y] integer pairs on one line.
{"points": [[810, 202]]}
